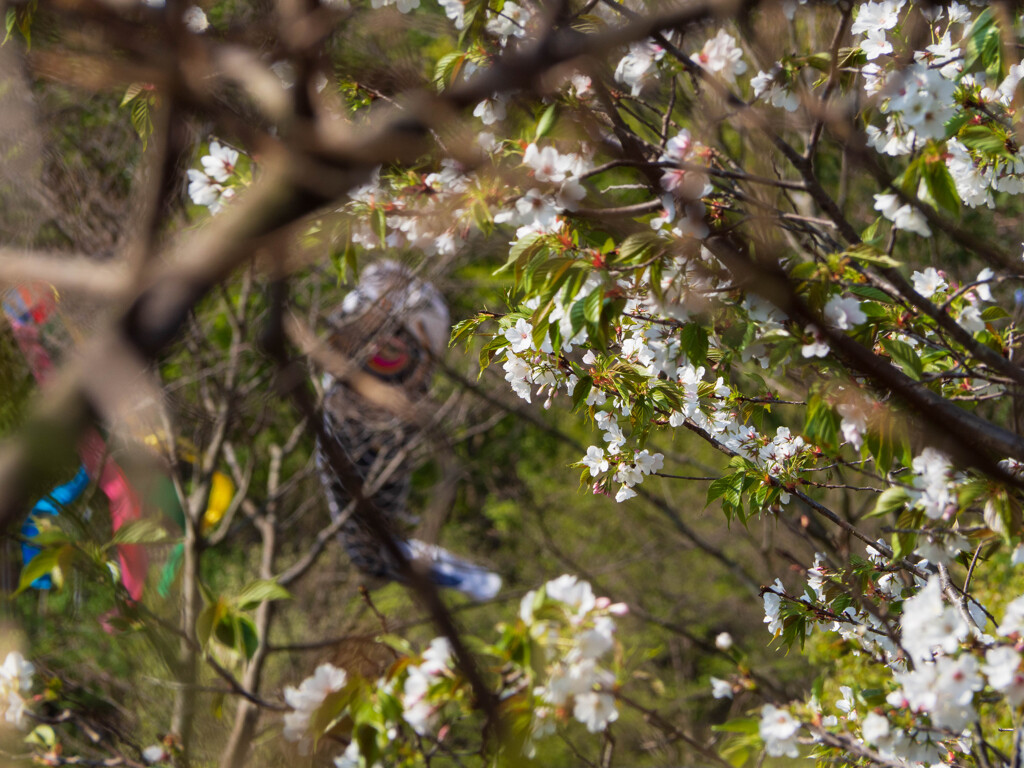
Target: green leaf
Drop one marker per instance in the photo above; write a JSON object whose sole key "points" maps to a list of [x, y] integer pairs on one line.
{"points": [[986, 139], [904, 354], [871, 233], [141, 120], [577, 314], [748, 725], [259, 592], [984, 47], [940, 185], [50, 535], [868, 254], [694, 342], [910, 179], [248, 639], [638, 247], [893, 499], [521, 251], [546, 122], [903, 543], [989, 314], [822, 424], [206, 620], [380, 224], [43, 736], [40, 565], [489, 349], [398, 643], [131, 92], [870, 292], [582, 390], [447, 69], [366, 737], [728, 487], [971, 491], [465, 328], [10, 18], [146, 530], [592, 306]]}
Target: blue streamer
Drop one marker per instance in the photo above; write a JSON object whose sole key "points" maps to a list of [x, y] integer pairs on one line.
{"points": [[51, 504]]}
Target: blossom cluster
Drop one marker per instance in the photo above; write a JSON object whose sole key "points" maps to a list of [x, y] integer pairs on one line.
{"points": [[307, 699], [575, 631], [218, 182], [15, 681], [940, 661], [921, 101], [571, 629]]}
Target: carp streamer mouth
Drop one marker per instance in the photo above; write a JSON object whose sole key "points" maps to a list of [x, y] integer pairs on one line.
{"points": [[391, 358]]}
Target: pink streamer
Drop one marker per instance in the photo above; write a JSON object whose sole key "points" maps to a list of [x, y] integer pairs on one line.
{"points": [[30, 329]]}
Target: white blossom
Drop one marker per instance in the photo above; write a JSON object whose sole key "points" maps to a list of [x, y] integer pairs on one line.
{"points": [[636, 67], [1013, 619], [929, 625], [875, 728], [721, 56], [520, 336], [511, 21], [155, 753], [882, 15], [816, 348], [844, 312], [983, 289], [595, 461], [778, 731], [490, 111], [929, 282], [1002, 668], [595, 710], [625, 493], [195, 20], [648, 463], [875, 44], [970, 319], [721, 689], [308, 697], [772, 607], [220, 163], [15, 680]]}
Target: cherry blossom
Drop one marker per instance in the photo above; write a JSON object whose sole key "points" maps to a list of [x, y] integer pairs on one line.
{"points": [[520, 336], [778, 729], [721, 56], [929, 282], [220, 163], [595, 461], [16, 675], [875, 44]]}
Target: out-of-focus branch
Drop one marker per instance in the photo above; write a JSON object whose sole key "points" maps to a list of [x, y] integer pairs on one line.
{"points": [[77, 273]]}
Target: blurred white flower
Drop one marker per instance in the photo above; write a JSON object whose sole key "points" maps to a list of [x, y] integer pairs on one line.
{"points": [[595, 710], [721, 689], [195, 20], [929, 282], [721, 56], [778, 731], [220, 163]]}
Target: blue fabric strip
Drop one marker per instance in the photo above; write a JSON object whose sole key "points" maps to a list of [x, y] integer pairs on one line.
{"points": [[51, 504]]}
